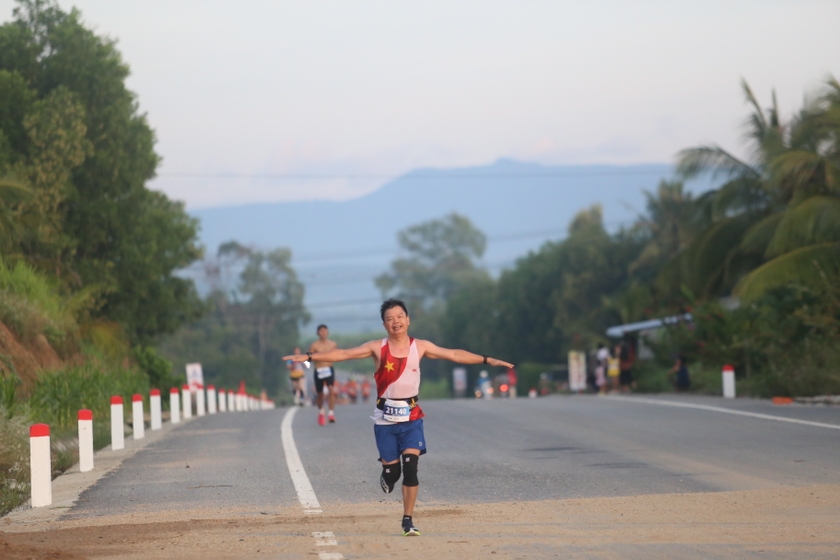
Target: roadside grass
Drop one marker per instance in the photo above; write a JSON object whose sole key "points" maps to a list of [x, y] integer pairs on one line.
{"points": [[58, 396], [55, 400], [14, 461], [31, 304]]}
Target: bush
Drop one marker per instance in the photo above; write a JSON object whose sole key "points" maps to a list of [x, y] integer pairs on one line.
{"points": [[57, 397], [783, 344], [157, 368]]}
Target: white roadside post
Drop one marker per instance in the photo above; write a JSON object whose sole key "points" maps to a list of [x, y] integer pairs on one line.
{"points": [[85, 440], [186, 400], [154, 404], [117, 424], [728, 374], [199, 400], [138, 426], [40, 467], [211, 399], [174, 405], [231, 401], [222, 400]]}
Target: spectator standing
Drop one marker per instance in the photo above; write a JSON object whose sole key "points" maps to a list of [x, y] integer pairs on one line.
{"points": [[613, 369], [601, 364], [682, 380], [627, 358]]}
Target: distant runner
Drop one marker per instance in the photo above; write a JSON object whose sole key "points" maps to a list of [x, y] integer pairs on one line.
{"points": [[324, 373], [398, 419], [297, 374]]}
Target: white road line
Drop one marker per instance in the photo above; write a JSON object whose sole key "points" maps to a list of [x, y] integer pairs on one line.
{"points": [[330, 556], [305, 493], [727, 411], [326, 538]]}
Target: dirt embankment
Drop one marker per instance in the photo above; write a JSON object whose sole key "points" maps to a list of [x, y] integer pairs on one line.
{"points": [[27, 359]]}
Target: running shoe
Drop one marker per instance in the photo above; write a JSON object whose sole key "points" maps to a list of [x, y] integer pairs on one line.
{"points": [[409, 530], [332, 418], [321, 421]]}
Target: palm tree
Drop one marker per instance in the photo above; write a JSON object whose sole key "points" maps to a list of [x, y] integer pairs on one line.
{"points": [[776, 215], [805, 244]]}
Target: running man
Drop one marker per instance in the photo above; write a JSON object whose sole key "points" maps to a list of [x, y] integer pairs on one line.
{"points": [[398, 419], [297, 375], [324, 373]]}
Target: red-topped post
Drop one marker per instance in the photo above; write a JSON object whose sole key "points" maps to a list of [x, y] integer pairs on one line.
{"points": [[138, 425], [174, 405], [211, 399], [186, 400], [85, 440], [40, 467], [199, 400], [728, 374], [154, 406], [117, 424]]}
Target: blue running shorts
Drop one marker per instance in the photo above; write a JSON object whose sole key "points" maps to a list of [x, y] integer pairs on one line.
{"points": [[393, 439]]}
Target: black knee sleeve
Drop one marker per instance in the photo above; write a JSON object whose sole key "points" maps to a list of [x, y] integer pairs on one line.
{"points": [[391, 473], [410, 470]]}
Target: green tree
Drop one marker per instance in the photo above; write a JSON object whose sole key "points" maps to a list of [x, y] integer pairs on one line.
{"points": [[71, 130], [774, 220], [253, 320], [441, 257]]}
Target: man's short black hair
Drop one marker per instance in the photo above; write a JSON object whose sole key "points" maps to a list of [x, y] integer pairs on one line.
{"points": [[388, 304], [321, 326]]}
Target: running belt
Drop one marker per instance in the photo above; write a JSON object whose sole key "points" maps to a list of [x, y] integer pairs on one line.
{"points": [[412, 402]]}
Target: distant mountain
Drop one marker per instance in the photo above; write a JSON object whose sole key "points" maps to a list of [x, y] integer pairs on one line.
{"points": [[339, 247]]}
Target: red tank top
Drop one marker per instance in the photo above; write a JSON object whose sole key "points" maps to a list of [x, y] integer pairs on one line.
{"points": [[399, 378]]}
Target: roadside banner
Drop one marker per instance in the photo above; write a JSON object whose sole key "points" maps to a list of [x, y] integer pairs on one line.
{"points": [[195, 377], [459, 381], [577, 371]]}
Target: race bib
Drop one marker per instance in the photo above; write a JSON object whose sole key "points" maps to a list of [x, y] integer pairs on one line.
{"points": [[396, 411], [323, 372]]}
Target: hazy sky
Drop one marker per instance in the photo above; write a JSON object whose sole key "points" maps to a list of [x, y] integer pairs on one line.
{"points": [[361, 88]]}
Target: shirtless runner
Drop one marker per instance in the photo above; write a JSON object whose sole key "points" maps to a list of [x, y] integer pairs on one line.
{"points": [[324, 373], [398, 419]]}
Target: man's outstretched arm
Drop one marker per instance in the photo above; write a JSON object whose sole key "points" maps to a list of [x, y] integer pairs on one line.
{"points": [[337, 355], [435, 352]]}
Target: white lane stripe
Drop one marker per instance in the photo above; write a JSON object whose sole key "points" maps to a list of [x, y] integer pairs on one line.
{"points": [[325, 538], [330, 556], [727, 411], [305, 493]]}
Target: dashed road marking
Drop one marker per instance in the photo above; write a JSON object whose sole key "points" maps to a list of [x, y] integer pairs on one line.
{"points": [[306, 495], [727, 411], [326, 538]]}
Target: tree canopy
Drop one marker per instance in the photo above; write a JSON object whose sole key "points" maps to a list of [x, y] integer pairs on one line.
{"points": [[72, 135]]}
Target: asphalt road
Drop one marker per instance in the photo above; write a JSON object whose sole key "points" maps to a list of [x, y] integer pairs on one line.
{"points": [[480, 451]]}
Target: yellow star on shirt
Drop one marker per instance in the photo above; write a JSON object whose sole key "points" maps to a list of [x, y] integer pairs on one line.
{"points": [[389, 366]]}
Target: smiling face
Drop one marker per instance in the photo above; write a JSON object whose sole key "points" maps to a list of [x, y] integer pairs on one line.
{"points": [[396, 321]]}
